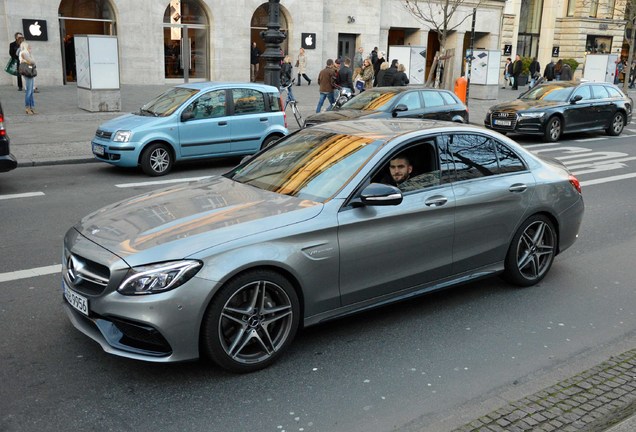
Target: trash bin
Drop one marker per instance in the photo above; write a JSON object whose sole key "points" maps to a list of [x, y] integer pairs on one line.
{"points": [[460, 88]]}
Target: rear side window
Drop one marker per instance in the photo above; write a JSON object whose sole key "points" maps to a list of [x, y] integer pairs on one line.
{"points": [[432, 99], [600, 92], [274, 102], [449, 99], [614, 92], [509, 161], [248, 101]]}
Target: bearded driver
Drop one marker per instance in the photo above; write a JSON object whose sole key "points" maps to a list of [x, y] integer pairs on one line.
{"points": [[400, 168]]}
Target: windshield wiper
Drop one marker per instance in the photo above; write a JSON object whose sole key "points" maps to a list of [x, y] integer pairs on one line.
{"points": [[152, 113]]}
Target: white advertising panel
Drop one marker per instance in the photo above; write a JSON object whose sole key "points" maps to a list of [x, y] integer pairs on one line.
{"points": [[414, 60], [82, 63], [97, 62]]}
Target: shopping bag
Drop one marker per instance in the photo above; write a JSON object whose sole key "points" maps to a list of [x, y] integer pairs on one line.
{"points": [[12, 67]]}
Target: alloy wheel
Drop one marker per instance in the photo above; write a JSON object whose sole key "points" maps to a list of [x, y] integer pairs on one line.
{"points": [[535, 250], [159, 160], [555, 129], [617, 124]]}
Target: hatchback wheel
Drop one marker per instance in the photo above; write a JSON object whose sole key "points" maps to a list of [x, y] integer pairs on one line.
{"points": [[617, 124], [251, 321], [553, 129], [269, 141], [156, 160], [531, 252]]}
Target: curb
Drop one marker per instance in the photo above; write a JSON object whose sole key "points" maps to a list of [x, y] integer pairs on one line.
{"points": [[33, 163]]}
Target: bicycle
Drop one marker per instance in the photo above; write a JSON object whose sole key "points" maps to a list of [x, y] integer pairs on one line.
{"points": [[291, 101]]}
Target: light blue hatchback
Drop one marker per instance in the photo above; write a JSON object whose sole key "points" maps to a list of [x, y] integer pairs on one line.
{"points": [[193, 121]]}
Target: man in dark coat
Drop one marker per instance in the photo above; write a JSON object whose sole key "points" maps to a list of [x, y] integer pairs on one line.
{"points": [[389, 74], [13, 52], [516, 72], [548, 73], [535, 71]]}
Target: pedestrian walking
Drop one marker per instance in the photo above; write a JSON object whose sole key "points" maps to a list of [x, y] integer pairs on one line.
{"points": [[358, 58], [507, 72], [566, 72], [345, 75], [389, 74], [326, 81], [286, 76], [26, 57], [379, 77], [517, 67], [557, 70], [14, 51], [535, 71], [255, 55], [548, 73], [301, 64], [400, 78], [376, 67]]}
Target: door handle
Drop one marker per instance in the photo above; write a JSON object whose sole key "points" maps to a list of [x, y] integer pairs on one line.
{"points": [[264, 119], [222, 123], [436, 201], [518, 187]]}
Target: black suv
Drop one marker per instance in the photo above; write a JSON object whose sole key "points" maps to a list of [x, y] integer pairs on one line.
{"points": [[7, 160], [398, 102], [560, 107]]}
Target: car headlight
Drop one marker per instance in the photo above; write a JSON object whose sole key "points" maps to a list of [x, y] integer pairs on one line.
{"points": [[156, 278], [532, 115], [122, 136]]}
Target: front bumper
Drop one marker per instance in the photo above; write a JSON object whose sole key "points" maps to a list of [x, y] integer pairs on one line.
{"points": [[530, 126], [119, 154], [8, 163]]}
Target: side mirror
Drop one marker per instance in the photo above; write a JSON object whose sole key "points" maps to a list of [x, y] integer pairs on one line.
{"points": [[399, 108], [575, 99], [187, 115], [379, 194]]}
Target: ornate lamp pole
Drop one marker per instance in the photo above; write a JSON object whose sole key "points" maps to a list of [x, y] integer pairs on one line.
{"points": [[272, 38]]}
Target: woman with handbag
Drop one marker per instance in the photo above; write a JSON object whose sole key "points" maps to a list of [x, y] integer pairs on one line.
{"points": [[28, 72], [301, 64]]}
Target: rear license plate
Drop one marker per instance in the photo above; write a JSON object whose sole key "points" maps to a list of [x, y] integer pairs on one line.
{"points": [[98, 149], [503, 122], [78, 302]]}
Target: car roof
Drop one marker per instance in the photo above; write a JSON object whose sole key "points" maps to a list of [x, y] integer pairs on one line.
{"points": [[400, 89], [388, 129], [225, 84]]}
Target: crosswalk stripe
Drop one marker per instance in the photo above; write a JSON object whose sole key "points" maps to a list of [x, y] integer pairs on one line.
{"points": [[25, 274], [160, 182], [607, 179], [22, 195]]}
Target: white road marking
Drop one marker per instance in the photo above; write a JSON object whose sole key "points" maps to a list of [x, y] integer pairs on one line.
{"points": [[607, 179], [22, 195], [539, 145], [25, 274], [160, 182], [590, 139]]}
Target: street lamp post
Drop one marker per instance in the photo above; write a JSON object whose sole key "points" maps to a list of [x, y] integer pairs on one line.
{"points": [[272, 38]]}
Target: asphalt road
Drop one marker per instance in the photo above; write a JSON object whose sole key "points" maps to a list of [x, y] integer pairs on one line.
{"points": [[423, 365]]}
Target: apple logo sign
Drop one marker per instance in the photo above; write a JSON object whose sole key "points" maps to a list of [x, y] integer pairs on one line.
{"points": [[34, 29], [308, 40]]}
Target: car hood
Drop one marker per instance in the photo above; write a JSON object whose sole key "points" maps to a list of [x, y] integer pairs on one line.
{"points": [[177, 222], [520, 105], [341, 114], [129, 122]]}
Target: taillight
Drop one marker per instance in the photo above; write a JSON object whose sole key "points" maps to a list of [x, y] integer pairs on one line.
{"points": [[3, 132], [282, 107], [575, 182]]}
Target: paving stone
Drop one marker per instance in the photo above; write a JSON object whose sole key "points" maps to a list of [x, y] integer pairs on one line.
{"points": [[502, 422]]}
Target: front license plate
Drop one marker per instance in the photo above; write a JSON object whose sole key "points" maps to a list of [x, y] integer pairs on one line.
{"points": [[78, 302], [503, 122], [98, 149]]}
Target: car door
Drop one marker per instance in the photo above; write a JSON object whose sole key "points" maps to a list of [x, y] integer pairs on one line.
{"points": [[204, 127], [385, 249], [580, 115], [604, 105], [250, 120], [413, 102], [492, 189], [434, 106]]}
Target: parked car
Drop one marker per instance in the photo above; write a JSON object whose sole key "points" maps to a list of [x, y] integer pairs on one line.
{"points": [[398, 102], [193, 121], [8, 162], [559, 107], [311, 229]]}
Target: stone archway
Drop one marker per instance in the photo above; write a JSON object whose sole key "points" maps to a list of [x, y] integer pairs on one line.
{"points": [[258, 24]]}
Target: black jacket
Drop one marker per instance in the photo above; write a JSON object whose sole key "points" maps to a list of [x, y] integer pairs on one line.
{"points": [[517, 67], [13, 50], [345, 77], [535, 69], [548, 73], [400, 79], [254, 55], [285, 74], [387, 79]]}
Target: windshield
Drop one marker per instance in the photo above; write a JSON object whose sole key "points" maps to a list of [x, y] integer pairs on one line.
{"points": [[311, 164], [371, 100], [165, 104], [553, 92]]}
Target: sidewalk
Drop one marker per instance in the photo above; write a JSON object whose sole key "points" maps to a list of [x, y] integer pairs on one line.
{"points": [[61, 132], [593, 400]]}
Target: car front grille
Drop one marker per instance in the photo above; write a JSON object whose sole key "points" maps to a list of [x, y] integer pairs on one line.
{"points": [[85, 276], [141, 337], [503, 115], [103, 134]]}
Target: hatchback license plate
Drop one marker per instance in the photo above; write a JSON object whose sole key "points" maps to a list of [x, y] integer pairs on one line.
{"points": [[78, 302], [503, 122], [98, 149]]}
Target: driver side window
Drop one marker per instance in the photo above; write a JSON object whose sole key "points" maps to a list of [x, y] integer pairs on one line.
{"points": [[411, 169], [209, 105], [584, 92], [411, 100]]}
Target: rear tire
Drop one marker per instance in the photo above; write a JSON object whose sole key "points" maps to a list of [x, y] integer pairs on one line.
{"points": [[251, 321], [616, 125], [531, 252], [270, 140], [553, 130], [156, 160]]}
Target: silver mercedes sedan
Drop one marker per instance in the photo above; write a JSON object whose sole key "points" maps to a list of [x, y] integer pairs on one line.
{"points": [[331, 220]]}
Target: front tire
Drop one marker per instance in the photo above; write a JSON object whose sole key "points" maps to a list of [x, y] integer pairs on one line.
{"points": [[251, 321], [553, 130], [156, 160], [531, 252], [616, 125]]}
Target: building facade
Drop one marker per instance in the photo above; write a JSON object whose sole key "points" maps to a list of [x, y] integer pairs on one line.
{"points": [[172, 41], [562, 29]]}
